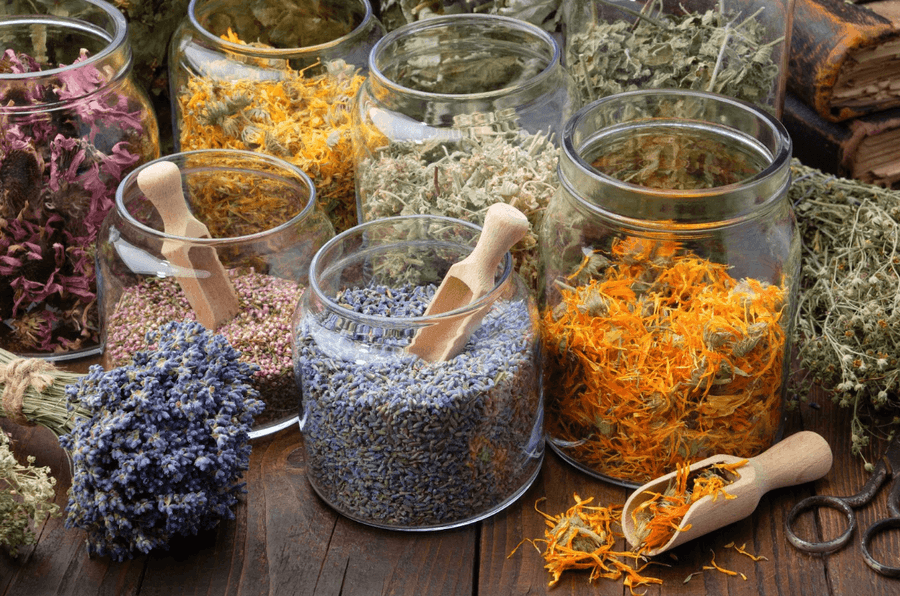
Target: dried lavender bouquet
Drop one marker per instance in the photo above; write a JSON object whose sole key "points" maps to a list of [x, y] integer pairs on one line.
{"points": [[157, 446], [848, 317]]}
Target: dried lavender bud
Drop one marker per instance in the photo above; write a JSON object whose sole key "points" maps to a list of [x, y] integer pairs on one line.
{"points": [[393, 440], [261, 331], [166, 443]]}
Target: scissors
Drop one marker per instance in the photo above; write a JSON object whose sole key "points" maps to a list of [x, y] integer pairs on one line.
{"points": [[887, 467]]}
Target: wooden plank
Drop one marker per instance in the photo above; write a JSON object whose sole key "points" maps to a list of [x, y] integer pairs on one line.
{"points": [[275, 545], [784, 571], [59, 563], [846, 570]]}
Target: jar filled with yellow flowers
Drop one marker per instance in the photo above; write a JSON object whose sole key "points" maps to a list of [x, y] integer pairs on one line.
{"points": [[277, 77], [670, 260]]}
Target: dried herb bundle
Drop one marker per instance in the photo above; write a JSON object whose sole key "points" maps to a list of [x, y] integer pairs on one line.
{"points": [[849, 309], [26, 498], [709, 51]]}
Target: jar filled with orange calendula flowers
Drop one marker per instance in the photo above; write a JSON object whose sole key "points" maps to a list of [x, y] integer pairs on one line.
{"points": [[669, 260], [277, 77]]}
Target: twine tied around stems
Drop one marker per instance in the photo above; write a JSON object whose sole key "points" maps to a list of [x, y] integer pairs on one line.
{"points": [[16, 377]]}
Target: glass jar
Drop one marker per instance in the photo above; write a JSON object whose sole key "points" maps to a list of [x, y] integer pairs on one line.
{"points": [[735, 47], [277, 78], [264, 252], [458, 113], [671, 259], [392, 440], [72, 124]]}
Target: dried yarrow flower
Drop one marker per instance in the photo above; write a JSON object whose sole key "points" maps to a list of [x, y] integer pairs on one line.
{"points": [[26, 498]]}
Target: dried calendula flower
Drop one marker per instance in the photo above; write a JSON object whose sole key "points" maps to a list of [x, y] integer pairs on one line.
{"points": [[658, 518], [26, 498], [660, 357], [584, 537], [300, 117]]}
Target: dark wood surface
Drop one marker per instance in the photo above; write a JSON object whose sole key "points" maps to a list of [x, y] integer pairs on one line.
{"points": [[286, 541]]}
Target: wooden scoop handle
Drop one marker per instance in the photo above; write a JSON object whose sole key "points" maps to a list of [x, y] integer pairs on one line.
{"points": [[802, 457], [507, 225], [161, 183], [208, 288]]}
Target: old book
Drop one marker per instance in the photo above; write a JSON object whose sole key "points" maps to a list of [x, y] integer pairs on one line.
{"points": [[845, 58], [865, 148]]}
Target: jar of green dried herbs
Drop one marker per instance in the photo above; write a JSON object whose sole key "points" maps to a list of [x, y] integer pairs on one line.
{"points": [[149, 274], [736, 47], [670, 261], [394, 440], [73, 122], [458, 113], [277, 77]]}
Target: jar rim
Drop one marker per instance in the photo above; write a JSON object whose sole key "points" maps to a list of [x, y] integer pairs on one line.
{"points": [[778, 159], [775, 174], [389, 321], [115, 42], [271, 53], [457, 20], [248, 155]]}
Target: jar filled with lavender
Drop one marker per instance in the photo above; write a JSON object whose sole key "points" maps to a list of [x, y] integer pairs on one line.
{"points": [[458, 113], [277, 77], [73, 122], [220, 236], [394, 440]]}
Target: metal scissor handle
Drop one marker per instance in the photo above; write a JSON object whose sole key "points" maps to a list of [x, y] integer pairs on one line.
{"points": [[846, 505]]}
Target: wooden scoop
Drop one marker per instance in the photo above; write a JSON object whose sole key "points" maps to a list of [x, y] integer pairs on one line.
{"points": [[208, 288], [466, 282], [802, 457]]}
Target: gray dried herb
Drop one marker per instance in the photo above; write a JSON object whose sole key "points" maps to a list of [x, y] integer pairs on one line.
{"points": [[712, 51], [848, 317], [462, 178]]}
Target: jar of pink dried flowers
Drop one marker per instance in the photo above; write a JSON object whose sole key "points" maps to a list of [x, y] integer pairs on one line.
{"points": [[259, 225], [73, 122]]}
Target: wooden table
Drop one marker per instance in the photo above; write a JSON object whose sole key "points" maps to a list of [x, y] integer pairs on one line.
{"points": [[286, 541]]}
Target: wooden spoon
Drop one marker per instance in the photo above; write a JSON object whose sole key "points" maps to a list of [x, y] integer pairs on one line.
{"points": [[208, 289], [466, 282], [802, 457]]}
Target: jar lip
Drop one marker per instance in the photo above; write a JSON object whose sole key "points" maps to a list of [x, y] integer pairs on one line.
{"points": [[455, 20], [388, 321], [114, 43], [780, 158], [249, 155], [279, 52]]}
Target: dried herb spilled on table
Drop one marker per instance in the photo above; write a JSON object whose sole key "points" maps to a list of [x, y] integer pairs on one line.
{"points": [[301, 118], [658, 518], [584, 538], [848, 318], [658, 358], [710, 51]]}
